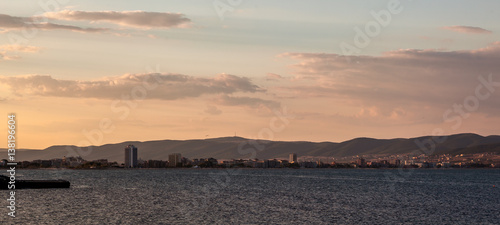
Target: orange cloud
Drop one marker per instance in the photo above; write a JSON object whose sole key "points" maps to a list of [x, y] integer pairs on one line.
{"points": [[151, 86], [18, 48], [5, 51], [408, 80], [468, 29], [8, 22], [138, 19]]}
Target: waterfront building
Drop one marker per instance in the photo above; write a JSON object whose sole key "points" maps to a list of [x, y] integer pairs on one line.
{"points": [[130, 156], [292, 158], [174, 159]]}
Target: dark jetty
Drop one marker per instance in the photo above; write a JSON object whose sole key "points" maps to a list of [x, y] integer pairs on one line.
{"points": [[33, 184]]}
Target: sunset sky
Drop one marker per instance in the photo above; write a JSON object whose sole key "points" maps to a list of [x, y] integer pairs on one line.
{"points": [[97, 72]]}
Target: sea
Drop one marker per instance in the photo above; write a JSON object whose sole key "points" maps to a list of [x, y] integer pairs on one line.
{"points": [[260, 196]]}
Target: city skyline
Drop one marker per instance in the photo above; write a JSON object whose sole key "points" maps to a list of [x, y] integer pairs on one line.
{"points": [[408, 160], [87, 72]]}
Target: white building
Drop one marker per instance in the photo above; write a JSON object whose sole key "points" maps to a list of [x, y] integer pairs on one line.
{"points": [[130, 156]]}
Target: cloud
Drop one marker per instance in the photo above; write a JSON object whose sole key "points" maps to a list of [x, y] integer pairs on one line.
{"points": [[273, 77], [5, 51], [18, 48], [468, 29], [7, 57], [135, 19], [149, 86], [247, 101], [417, 82], [53, 26], [138, 19], [8, 22]]}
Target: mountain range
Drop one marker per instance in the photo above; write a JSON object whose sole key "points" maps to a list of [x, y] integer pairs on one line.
{"points": [[238, 147]]}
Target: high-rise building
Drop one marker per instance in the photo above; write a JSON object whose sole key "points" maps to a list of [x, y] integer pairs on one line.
{"points": [[174, 159], [292, 158], [130, 156]]}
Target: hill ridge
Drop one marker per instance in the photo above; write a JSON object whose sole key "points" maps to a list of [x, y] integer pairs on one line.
{"points": [[236, 147]]}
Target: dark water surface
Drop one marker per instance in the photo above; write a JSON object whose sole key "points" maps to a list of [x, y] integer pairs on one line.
{"points": [[259, 196]]}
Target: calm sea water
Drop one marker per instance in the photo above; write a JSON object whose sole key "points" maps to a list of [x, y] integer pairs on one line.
{"points": [[259, 196]]}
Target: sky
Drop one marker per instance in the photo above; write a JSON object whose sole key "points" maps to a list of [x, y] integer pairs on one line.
{"points": [[97, 72]]}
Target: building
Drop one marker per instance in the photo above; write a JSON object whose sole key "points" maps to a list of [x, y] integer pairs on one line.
{"points": [[292, 158], [174, 159], [361, 162], [395, 162], [130, 156], [155, 164], [271, 163]]}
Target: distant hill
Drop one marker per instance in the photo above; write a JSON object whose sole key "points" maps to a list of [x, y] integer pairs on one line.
{"points": [[227, 148]]}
